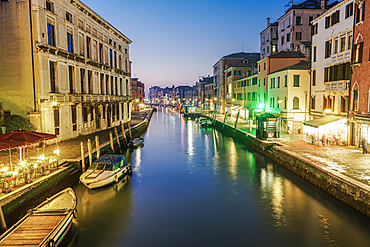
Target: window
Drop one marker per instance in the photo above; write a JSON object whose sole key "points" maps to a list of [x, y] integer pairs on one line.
{"points": [[254, 81], [49, 6], [111, 57], [357, 54], [88, 47], [100, 52], [278, 82], [344, 104], [101, 83], [313, 101], [314, 29], [228, 74], [74, 117], [335, 17], [288, 37], [349, 10], [56, 120], [107, 84], [360, 12], [295, 103], [298, 20], [314, 53], [285, 81], [89, 82], [289, 21], [70, 42], [264, 81], [327, 48], [343, 44], [283, 26], [313, 77], [71, 77], [115, 59], [310, 18], [355, 100], [82, 80], [237, 72], [52, 68], [268, 50], [335, 50], [81, 43], [51, 35], [349, 47], [298, 35], [69, 17], [296, 81], [327, 21], [282, 40]]}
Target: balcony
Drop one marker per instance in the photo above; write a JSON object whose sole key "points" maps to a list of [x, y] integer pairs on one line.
{"points": [[341, 57], [85, 98], [337, 86]]}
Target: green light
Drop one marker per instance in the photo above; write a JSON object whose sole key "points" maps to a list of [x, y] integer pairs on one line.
{"points": [[261, 105]]}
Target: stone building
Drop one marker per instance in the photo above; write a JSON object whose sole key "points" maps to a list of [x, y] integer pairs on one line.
{"points": [[137, 93], [63, 66], [359, 111], [269, 39]]}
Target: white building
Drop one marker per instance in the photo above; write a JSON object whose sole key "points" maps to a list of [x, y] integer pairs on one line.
{"points": [[63, 66], [288, 91], [331, 57]]}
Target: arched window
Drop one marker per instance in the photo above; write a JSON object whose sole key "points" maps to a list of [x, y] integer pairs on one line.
{"points": [[295, 103]]}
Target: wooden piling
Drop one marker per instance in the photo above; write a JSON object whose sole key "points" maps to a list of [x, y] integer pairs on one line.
{"points": [[236, 121], [111, 141], [82, 157], [124, 134], [89, 150], [223, 126], [97, 147], [129, 130], [3, 226], [119, 144]]}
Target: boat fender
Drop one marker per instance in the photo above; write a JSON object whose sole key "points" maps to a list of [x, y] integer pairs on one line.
{"points": [[75, 214], [51, 243]]}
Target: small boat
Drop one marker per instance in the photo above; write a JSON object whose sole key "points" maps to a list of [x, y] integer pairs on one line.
{"points": [[45, 225], [107, 169], [136, 143], [205, 123]]}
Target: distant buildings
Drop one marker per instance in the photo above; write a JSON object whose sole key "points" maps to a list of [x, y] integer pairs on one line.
{"points": [[63, 66], [138, 94]]}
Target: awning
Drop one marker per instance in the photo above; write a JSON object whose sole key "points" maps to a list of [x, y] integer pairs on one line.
{"points": [[321, 121]]}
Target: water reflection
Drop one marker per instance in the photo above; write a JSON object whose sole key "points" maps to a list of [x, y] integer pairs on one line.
{"points": [[233, 160]]}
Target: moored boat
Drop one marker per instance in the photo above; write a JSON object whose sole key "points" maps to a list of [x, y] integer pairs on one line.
{"points": [[205, 123], [136, 142], [107, 169], [45, 225]]}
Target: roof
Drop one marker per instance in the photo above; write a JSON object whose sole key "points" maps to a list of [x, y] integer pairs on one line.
{"points": [[321, 121], [302, 65], [253, 55], [287, 54], [109, 159]]}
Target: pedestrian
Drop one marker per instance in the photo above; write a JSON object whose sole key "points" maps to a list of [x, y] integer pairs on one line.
{"points": [[364, 146]]}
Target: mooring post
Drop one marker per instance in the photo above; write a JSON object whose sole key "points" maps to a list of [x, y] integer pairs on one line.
{"points": [[111, 141], [3, 226], [97, 146], [129, 130], [236, 121], [115, 131], [82, 157], [224, 121], [89, 150]]}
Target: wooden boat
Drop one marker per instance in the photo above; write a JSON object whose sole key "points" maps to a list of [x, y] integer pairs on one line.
{"points": [[107, 169], [45, 225], [136, 143]]}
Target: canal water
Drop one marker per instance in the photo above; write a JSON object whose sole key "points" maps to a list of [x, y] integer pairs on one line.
{"points": [[196, 187]]}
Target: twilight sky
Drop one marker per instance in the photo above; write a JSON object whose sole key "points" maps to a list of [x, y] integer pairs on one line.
{"points": [[175, 42]]}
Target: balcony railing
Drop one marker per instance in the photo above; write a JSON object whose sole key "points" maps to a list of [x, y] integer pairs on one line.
{"points": [[336, 85], [79, 98]]}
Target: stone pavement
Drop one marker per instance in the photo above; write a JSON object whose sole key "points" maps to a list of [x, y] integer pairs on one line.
{"points": [[346, 160]]}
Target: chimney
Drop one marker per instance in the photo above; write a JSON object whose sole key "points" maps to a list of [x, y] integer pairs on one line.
{"points": [[268, 22], [324, 4]]}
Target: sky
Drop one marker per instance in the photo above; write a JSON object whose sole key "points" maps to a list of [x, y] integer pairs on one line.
{"points": [[177, 42]]}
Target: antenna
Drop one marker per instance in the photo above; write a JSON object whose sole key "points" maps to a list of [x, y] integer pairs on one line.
{"points": [[243, 46]]}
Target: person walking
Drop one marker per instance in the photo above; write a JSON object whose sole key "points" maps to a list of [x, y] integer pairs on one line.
{"points": [[364, 146]]}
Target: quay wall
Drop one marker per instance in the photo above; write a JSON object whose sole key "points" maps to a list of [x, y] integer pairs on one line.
{"points": [[346, 189]]}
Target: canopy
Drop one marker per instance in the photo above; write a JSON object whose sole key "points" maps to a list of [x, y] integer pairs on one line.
{"points": [[321, 121], [29, 137], [10, 144]]}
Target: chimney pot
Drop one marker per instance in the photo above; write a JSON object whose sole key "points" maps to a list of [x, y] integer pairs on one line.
{"points": [[268, 22]]}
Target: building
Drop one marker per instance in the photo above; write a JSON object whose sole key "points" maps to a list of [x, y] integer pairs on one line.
{"points": [[137, 93], [269, 39], [154, 93], [219, 79], [63, 66], [359, 112], [269, 65], [288, 94], [294, 26]]}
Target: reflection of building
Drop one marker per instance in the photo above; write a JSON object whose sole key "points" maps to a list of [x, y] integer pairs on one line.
{"points": [[64, 66], [138, 94], [288, 91], [360, 84]]}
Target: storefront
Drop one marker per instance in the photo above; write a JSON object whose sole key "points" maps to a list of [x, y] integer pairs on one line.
{"points": [[325, 131]]}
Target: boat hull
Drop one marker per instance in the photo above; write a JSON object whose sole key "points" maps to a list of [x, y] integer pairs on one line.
{"points": [[95, 183]]}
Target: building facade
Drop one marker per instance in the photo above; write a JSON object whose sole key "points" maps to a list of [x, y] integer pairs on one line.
{"points": [[63, 66], [137, 93], [269, 39], [359, 112]]}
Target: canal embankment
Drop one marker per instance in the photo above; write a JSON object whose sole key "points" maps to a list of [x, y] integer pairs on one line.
{"points": [[308, 164], [17, 199]]}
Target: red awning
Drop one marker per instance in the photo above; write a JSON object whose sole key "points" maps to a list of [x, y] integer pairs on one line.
{"points": [[10, 144], [29, 137]]}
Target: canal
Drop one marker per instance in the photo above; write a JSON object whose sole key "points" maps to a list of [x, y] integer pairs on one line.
{"points": [[197, 187]]}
